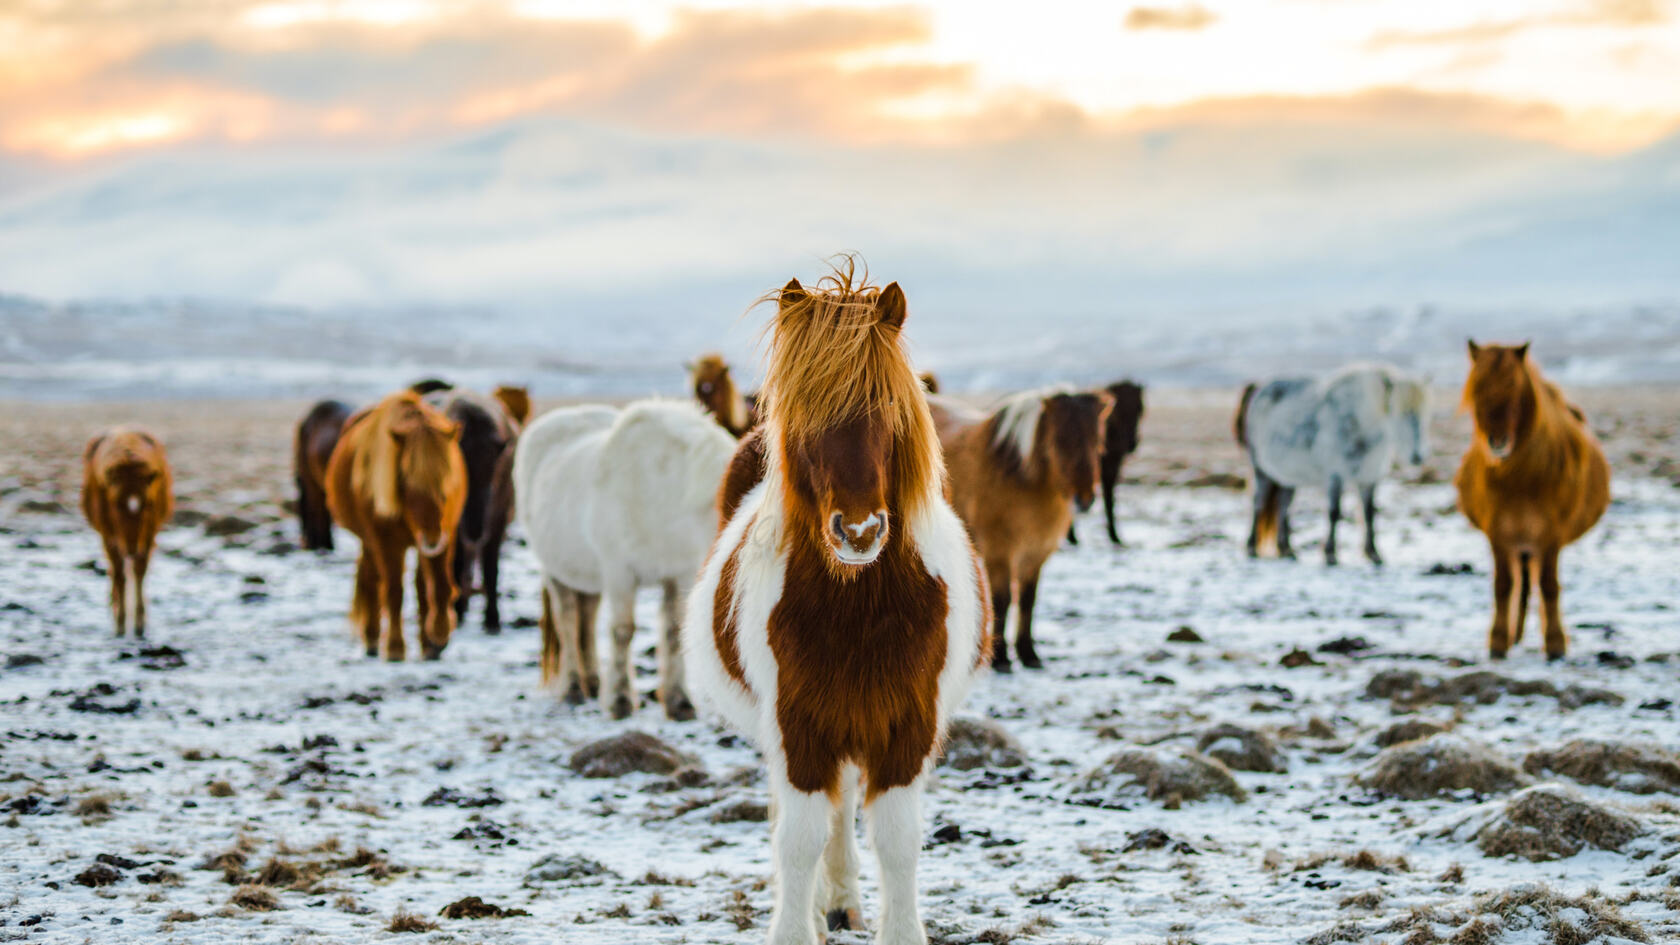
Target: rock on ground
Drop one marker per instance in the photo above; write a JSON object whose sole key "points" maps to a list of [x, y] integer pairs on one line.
{"points": [[632, 751], [1171, 776], [974, 743], [1635, 767], [1241, 749], [1441, 764]]}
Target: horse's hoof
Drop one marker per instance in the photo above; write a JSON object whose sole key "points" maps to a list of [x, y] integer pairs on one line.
{"points": [[373, 652], [680, 709], [1031, 661], [1002, 666], [845, 920], [575, 695], [429, 652], [492, 627], [1496, 654], [620, 708], [1555, 657]]}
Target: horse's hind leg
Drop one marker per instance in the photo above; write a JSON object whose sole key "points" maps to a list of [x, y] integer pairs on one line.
{"points": [[1368, 509], [1335, 490], [1557, 638], [1265, 499], [841, 902], [137, 583], [1499, 639], [621, 605], [489, 572], [1024, 602], [560, 656], [438, 623], [673, 693], [1285, 496]]}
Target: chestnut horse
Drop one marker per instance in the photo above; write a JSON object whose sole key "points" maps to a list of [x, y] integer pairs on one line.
{"points": [[841, 615], [487, 436], [127, 495], [312, 445], [1533, 480], [1120, 440], [397, 481], [715, 388], [1016, 475]]}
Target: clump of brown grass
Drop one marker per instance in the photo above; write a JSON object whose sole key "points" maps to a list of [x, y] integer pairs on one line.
{"points": [[1374, 862], [220, 789], [1438, 765], [254, 898], [405, 921]]}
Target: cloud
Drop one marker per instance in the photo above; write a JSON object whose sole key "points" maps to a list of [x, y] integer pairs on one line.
{"points": [[1191, 17], [1591, 13]]}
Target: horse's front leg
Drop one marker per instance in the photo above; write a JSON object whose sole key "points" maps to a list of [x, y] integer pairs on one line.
{"points": [[1499, 639], [589, 665], [1110, 476], [895, 831], [1264, 495], [141, 559], [116, 564], [1368, 508], [439, 622], [841, 905], [1335, 490], [1557, 637], [1000, 578], [673, 693], [391, 555], [620, 695], [1025, 649], [489, 572], [797, 839], [365, 605]]}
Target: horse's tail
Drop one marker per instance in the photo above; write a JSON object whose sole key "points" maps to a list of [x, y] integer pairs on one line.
{"points": [[1239, 426], [1266, 519]]}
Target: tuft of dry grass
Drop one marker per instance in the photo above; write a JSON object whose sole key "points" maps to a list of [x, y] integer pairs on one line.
{"points": [[405, 921], [182, 915], [254, 898], [220, 789], [1374, 862]]}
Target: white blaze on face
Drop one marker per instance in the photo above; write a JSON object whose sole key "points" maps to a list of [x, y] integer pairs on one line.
{"points": [[134, 505]]}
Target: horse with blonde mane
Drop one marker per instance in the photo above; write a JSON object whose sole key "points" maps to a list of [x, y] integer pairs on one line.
{"points": [[1017, 472], [397, 481], [128, 493], [714, 387], [1533, 480], [841, 615]]}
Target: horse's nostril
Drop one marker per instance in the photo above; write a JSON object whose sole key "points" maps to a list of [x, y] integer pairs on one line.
{"points": [[836, 526]]}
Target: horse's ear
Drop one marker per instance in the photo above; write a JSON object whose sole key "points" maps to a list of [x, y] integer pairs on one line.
{"points": [[1475, 349], [792, 294], [1522, 351], [891, 306]]}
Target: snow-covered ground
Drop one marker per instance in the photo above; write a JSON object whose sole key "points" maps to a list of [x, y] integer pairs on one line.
{"points": [[318, 752]]}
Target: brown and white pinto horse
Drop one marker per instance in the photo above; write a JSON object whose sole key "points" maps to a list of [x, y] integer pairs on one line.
{"points": [[127, 495], [1533, 480], [841, 615], [1016, 474], [715, 388], [312, 446], [397, 481]]}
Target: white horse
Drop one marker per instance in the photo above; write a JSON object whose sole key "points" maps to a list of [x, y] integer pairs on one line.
{"points": [[612, 500], [1350, 426]]}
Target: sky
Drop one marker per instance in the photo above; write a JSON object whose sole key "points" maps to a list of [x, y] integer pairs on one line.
{"points": [[1061, 154]]}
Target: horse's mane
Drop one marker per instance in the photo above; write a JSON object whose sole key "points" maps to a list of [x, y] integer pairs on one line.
{"points": [[1405, 393], [832, 359], [383, 463], [1013, 425]]}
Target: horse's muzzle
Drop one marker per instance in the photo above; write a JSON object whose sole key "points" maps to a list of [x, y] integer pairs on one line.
{"points": [[433, 548]]}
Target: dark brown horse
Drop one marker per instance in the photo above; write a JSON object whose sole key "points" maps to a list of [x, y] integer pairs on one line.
{"points": [[1533, 481], [1120, 440], [1016, 475], [127, 495], [487, 434], [312, 445]]}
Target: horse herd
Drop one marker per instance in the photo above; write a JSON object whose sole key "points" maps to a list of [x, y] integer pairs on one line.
{"points": [[838, 553]]}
